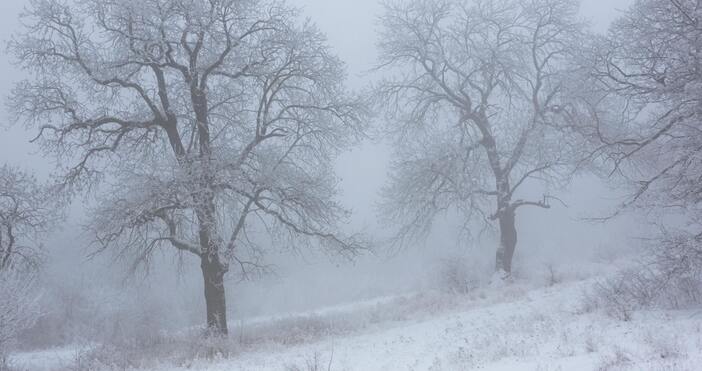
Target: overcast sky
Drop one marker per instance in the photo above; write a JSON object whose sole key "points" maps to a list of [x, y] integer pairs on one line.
{"points": [[351, 28]]}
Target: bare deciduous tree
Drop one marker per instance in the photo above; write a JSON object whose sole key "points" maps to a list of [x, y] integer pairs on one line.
{"points": [[648, 66], [478, 108], [26, 213], [215, 123], [648, 94]]}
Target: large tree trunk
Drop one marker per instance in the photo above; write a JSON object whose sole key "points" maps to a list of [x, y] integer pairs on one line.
{"points": [[213, 274], [508, 241], [505, 213], [213, 270]]}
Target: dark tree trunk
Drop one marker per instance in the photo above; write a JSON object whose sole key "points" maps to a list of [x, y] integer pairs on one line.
{"points": [[505, 211], [213, 270], [508, 241], [7, 254], [213, 274]]}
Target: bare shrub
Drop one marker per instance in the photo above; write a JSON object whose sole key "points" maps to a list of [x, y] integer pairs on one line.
{"points": [[664, 346], [617, 360], [18, 309], [670, 277], [553, 276], [314, 362], [615, 297], [590, 344], [677, 269], [457, 275], [82, 312]]}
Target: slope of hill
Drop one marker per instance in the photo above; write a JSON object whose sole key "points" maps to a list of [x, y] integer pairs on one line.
{"points": [[515, 326]]}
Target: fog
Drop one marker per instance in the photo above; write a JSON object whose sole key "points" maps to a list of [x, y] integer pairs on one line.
{"points": [[302, 280], [305, 280]]}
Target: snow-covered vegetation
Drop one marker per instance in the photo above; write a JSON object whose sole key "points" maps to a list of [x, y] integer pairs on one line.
{"points": [[524, 325]]}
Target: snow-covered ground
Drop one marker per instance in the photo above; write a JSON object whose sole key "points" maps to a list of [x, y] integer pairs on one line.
{"points": [[517, 326]]}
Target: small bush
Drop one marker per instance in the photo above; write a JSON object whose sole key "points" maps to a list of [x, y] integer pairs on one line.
{"points": [[18, 309], [458, 275], [553, 277], [669, 277], [617, 360], [313, 363]]}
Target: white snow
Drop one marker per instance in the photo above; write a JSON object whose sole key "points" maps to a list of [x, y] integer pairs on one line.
{"points": [[539, 329], [48, 359], [517, 326]]}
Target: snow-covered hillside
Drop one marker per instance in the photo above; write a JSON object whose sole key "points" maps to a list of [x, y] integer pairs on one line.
{"points": [[517, 326]]}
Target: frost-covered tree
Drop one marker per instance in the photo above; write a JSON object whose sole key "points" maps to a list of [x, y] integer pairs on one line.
{"points": [[27, 211], [648, 66], [477, 108], [647, 112], [213, 123]]}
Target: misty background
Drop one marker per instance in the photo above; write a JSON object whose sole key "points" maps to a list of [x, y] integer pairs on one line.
{"points": [[305, 280]]}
